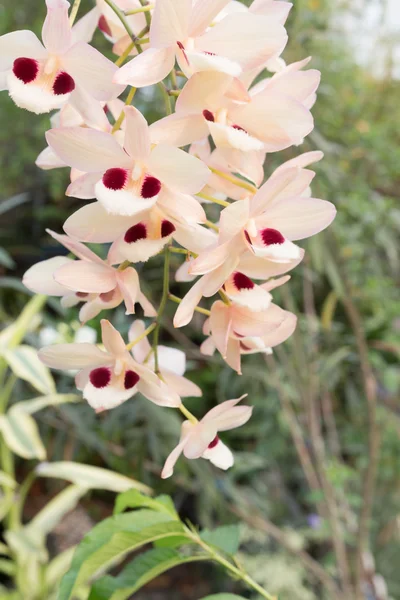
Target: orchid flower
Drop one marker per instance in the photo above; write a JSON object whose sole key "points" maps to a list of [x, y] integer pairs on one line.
{"points": [[89, 279], [201, 439], [251, 323], [180, 30], [108, 378], [112, 28], [171, 362], [41, 77], [131, 179]]}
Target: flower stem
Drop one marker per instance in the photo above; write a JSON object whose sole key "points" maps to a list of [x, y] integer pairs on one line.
{"points": [[125, 23], [74, 12], [224, 297], [145, 3], [141, 336], [235, 180], [198, 309], [211, 225], [188, 414], [163, 303], [121, 117], [212, 199], [166, 96], [136, 11]]}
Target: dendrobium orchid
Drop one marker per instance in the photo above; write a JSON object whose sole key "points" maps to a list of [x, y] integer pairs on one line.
{"points": [[108, 378], [200, 440], [42, 77], [205, 208], [129, 179]]}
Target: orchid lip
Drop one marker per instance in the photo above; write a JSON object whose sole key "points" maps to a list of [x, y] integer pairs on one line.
{"points": [[107, 296], [135, 233], [151, 187], [242, 282], [100, 378], [115, 179], [271, 236], [104, 26], [25, 69], [214, 442], [208, 115], [167, 228], [63, 84], [130, 379], [182, 47]]}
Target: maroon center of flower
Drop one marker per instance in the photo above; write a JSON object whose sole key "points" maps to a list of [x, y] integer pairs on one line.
{"points": [[167, 228], [239, 128], [63, 84], [100, 378], [104, 26], [213, 443], [151, 187], [207, 114], [107, 296], [242, 282], [272, 236], [115, 179], [130, 380], [82, 294], [25, 69], [135, 233]]}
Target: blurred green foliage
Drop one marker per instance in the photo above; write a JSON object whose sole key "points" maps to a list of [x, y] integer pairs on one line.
{"points": [[357, 122]]}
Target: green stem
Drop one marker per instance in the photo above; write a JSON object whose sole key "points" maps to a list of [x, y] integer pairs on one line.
{"points": [[21, 497], [74, 12], [145, 3], [121, 59], [198, 309], [166, 96], [125, 23], [142, 336], [239, 182], [163, 303], [136, 11], [121, 117], [188, 414], [211, 225], [214, 200]]}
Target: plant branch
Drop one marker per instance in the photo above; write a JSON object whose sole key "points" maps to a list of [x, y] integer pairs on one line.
{"points": [[163, 303], [74, 12]]}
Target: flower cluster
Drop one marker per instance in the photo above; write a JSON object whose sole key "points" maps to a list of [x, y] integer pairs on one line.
{"points": [[218, 63]]}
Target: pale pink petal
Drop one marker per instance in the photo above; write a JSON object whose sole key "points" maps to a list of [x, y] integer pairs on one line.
{"points": [[274, 283], [77, 248], [92, 71], [88, 150], [48, 159], [208, 347], [179, 129], [92, 223], [84, 29], [181, 385], [85, 276], [249, 164], [172, 459], [194, 237], [300, 85], [137, 138], [300, 218], [91, 111], [221, 409], [212, 258], [233, 218], [261, 268], [148, 68], [182, 273], [203, 91], [18, 44], [272, 8], [193, 61], [90, 310], [243, 292], [226, 136], [232, 418], [84, 187], [248, 323], [172, 360], [181, 207], [220, 456], [74, 356], [272, 189], [221, 325], [170, 22], [141, 350], [281, 333], [203, 13], [260, 39], [233, 355], [148, 308], [127, 202], [184, 313], [128, 282], [39, 278], [112, 339], [177, 169], [302, 161], [155, 390], [201, 436], [56, 31], [215, 280]]}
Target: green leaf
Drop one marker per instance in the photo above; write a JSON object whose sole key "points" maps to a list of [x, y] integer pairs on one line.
{"points": [[90, 477], [21, 435], [99, 537], [25, 364], [134, 499], [224, 597], [36, 404], [12, 335], [225, 538], [58, 567], [140, 572], [5, 259], [7, 481]]}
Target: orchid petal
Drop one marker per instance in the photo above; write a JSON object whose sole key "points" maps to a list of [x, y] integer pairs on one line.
{"points": [[85, 276], [56, 31], [221, 325], [17, 44], [39, 278], [128, 282], [142, 349], [137, 138], [84, 187], [203, 13], [148, 68], [179, 129], [220, 456], [181, 385], [77, 248], [112, 339], [74, 356], [84, 29], [177, 169], [170, 22], [92, 223]]}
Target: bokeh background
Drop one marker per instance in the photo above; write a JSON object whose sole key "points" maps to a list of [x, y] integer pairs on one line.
{"points": [[311, 397]]}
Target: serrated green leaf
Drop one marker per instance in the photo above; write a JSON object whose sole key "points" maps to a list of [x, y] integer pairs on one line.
{"points": [[90, 477], [225, 538], [139, 572], [100, 536], [134, 499], [21, 435], [25, 364]]}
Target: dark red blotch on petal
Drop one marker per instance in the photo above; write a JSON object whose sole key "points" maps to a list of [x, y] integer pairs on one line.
{"points": [[151, 187], [272, 236], [248, 238], [115, 179], [135, 233], [104, 26], [207, 114], [130, 380], [242, 282], [239, 128], [26, 69], [167, 228], [213, 443], [63, 84], [100, 378]]}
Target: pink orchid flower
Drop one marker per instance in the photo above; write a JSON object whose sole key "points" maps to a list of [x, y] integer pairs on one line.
{"points": [[131, 179], [108, 378], [251, 323], [88, 279], [40, 77], [201, 440], [180, 30], [171, 362]]}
